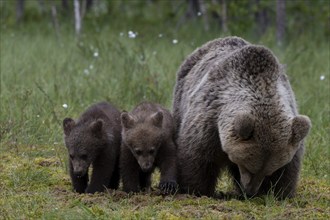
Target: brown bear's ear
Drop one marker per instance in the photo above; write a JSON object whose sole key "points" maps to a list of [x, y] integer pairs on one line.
{"points": [[127, 121], [96, 126], [300, 128], [157, 119], [253, 60], [68, 124], [244, 125]]}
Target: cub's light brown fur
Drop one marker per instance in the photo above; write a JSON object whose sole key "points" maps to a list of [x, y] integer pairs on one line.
{"points": [[148, 133], [234, 108]]}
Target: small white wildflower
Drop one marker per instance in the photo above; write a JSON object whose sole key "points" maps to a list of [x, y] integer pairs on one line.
{"points": [[96, 54], [55, 143], [91, 67], [131, 34], [38, 116], [322, 77], [160, 35], [65, 105], [199, 13], [175, 41], [154, 53], [86, 71], [121, 34]]}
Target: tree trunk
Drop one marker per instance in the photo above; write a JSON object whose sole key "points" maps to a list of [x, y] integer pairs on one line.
{"points": [[261, 18], [77, 17], [192, 12], [65, 7], [55, 22], [203, 13], [280, 21], [89, 4], [42, 6], [193, 8], [19, 10], [224, 25]]}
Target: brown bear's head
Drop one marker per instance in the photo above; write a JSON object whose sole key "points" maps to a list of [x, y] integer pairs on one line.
{"points": [[260, 146]]}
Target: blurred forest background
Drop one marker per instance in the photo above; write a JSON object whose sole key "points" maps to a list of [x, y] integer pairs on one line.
{"points": [[76, 52], [57, 53], [286, 19]]}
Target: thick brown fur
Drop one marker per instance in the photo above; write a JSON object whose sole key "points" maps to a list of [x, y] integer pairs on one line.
{"points": [[95, 139], [147, 134], [234, 108]]}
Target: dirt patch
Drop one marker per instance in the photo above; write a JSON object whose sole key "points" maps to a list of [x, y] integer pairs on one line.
{"points": [[47, 162], [117, 195], [184, 196]]}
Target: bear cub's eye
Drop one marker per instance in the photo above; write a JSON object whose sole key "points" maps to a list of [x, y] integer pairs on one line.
{"points": [[71, 156], [138, 152], [151, 151]]}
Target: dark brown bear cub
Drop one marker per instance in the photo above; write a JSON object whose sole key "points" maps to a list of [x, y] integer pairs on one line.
{"points": [[147, 142], [94, 139]]}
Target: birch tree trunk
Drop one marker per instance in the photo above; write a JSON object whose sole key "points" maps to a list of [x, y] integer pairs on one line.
{"points": [[77, 17]]}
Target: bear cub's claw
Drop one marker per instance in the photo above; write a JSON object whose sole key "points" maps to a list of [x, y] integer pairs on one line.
{"points": [[169, 187]]}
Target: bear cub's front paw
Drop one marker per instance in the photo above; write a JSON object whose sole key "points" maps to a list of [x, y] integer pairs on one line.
{"points": [[169, 187]]}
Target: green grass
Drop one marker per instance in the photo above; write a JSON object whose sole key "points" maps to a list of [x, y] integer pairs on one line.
{"points": [[40, 73]]}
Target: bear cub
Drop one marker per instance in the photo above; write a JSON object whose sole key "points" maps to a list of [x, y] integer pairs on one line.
{"points": [[95, 139], [147, 142]]}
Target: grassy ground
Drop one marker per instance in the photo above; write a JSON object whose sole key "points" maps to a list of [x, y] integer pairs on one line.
{"points": [[40, 73]]}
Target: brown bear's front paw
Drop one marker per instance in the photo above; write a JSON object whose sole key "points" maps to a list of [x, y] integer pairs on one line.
{"points": [[169, 187]]}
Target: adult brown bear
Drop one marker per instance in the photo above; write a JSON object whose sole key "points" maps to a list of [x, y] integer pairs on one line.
{"points": [[234, 108]]}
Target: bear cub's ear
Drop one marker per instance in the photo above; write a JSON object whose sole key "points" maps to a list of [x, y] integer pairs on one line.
{"points": [[244, 125], [301, 125], [157, 119], [127, 121], [68, 124], [96, 126]]}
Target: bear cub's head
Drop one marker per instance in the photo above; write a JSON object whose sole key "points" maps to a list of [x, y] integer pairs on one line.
{"points": [[143, 137], [83, 142], [259, 147]]}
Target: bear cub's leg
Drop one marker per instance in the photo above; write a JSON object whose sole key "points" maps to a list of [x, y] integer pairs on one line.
{"points": [[103, 169], [79, 183], [168, 169], [115, 178], [129, 171]]}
